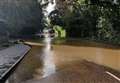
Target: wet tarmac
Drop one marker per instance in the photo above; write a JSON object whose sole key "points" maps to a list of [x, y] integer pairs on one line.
{"points": [[74, 64]]}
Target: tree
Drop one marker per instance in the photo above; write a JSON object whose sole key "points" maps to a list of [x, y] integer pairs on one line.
{"points": [[91, 19]]}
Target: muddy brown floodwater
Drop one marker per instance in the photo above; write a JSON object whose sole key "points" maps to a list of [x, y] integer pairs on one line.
{"points": [[74, 64]]}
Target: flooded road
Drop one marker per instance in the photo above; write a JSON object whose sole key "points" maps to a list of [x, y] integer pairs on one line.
{"points": [[74, 64], [102, 56]]}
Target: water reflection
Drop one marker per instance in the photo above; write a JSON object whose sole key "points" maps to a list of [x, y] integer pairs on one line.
{"points": [[48, 59], [31, 67]]}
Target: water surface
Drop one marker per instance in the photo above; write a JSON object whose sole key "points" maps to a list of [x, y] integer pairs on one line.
{"points": [[69, 59]]}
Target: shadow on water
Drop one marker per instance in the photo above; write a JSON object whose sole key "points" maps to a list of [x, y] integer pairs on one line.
{"points": [[87, 43]]}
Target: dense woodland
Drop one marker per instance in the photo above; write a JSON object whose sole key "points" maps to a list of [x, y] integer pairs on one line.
{"points": [[90, 19], [85, 19]]}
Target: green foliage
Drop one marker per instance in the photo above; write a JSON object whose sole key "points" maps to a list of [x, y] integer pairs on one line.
{"points": [[59, 31], [93, 19], [104, 29]]}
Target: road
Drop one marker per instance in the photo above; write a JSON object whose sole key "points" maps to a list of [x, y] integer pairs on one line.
{"points": [[9, 57]]}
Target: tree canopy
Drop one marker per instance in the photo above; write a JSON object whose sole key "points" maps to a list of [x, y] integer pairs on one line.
{"points": [[90, 19]]}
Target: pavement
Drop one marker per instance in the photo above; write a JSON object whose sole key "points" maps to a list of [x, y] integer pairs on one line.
{"points": [[9, 57]]}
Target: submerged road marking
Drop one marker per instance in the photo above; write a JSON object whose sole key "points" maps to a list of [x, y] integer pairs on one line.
{"points": [[117, 78]]}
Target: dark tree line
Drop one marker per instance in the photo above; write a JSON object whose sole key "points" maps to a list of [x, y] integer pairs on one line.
{"points": [[90, 19], [87, 19]]}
